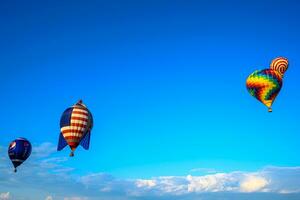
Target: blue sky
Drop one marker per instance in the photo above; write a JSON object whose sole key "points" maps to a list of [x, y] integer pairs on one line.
{"points": [[165, 81]]}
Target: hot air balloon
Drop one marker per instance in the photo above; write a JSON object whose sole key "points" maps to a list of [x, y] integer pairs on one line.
{"points": [[76, 124], [18, 151], [266, 84], [280, 65]]}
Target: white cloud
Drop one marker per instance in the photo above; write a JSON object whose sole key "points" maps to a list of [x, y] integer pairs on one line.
{"points": [[253, 183], [49, 198], [171, 185], [270, 179], [75, 198], [219, 182], [145, 183], [4, 196], [42, 170], [289, 191], [46, 170], [43, 150]]}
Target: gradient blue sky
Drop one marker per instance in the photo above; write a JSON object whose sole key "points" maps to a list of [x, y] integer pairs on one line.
{"points": [[165, 81]]}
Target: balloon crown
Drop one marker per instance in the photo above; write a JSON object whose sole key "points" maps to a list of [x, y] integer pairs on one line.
{"points": [[80, 103]]}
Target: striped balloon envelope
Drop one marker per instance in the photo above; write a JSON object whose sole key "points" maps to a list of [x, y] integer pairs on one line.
{"points": [[76, 124], [280, 64], [18, 151]]}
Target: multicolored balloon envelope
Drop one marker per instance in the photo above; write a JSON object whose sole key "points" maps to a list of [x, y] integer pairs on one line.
{"points": [[266, 84], [18, 151], [76, 124]]}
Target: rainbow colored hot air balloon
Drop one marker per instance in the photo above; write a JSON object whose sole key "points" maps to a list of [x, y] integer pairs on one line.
{"points": [[266, 84], [76, 124], [18, 151]]}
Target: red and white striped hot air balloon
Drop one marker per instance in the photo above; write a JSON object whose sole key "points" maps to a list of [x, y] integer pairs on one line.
{"points": [[76, 124]]}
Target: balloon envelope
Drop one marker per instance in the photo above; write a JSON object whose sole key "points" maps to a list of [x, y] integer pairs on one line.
{"points": [[264, 85], [280, 65], [18, 151], [75, 127]]}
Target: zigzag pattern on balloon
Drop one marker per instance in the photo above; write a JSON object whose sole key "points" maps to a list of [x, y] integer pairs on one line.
{"points": [[264, 85]]}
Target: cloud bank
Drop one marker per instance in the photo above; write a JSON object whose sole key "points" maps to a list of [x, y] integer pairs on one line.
{"points": [[45, 177], [4, 196]]}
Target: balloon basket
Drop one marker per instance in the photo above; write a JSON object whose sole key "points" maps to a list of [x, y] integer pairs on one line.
{"points": [[72, 154], [15, 170], [270, 110]]}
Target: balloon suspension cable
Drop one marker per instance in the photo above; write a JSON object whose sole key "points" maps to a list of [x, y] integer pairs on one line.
{"points": [[72, 154], [15, 170], [270, 109]]}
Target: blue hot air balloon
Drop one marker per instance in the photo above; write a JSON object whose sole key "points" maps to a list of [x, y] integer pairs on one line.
{"points": [[18, 151]]}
